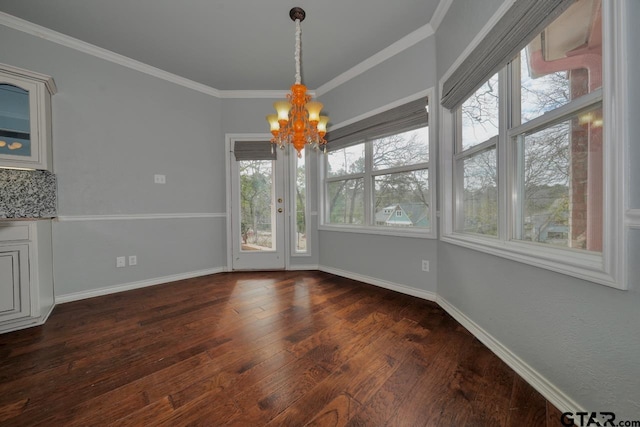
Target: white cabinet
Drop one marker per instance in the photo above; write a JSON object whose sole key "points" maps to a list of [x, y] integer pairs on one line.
{"points": [[25, 118], [26, 274], [14, 277]]}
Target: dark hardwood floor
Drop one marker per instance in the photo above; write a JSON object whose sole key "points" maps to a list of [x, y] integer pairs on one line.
{"points": [[253, 349]]}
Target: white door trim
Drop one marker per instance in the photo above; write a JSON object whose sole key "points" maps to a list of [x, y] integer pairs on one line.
{"points": [[230, 139]]}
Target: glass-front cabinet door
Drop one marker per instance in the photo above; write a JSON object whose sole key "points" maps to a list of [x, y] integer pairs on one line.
{"points": [[25, 118]]}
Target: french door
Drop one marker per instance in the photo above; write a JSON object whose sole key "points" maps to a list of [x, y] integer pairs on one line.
{"points": [[258, 206]]}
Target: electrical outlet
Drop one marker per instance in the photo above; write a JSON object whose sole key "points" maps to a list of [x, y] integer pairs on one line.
{"points": [[120, 262], [159, 179], [425, 265], [133, 260]]}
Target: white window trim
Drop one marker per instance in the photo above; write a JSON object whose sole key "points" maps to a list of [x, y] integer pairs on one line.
{"points": [[609, 268], [431, 166]]}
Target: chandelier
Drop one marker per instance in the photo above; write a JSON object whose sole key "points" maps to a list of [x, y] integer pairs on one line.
{"points": [[298, 120]]}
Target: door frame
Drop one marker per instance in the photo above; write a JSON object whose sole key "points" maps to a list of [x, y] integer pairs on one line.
{"points": [[230, 139]]}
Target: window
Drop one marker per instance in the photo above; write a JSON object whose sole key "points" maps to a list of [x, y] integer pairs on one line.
{"points": [[556, 134], [476, 161], [381, 182], [527, 171]]}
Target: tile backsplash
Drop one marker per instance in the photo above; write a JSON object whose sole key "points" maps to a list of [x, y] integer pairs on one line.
{"points": [[27, 194]]}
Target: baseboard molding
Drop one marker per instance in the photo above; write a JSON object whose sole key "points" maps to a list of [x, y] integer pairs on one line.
{"points": [[76, 296], [302, 267], [553, 394], [408, 290]]}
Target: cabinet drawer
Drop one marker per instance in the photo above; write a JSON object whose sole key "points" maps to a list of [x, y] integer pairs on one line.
{"points": [[14, 232]]}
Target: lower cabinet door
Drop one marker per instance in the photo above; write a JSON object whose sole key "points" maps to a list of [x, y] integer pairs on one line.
{"points": [[14, 282]]}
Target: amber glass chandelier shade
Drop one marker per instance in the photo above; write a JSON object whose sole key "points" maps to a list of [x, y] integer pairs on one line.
{"points": [[282, 109], [322, 125], [272, 119], [314, 108]]}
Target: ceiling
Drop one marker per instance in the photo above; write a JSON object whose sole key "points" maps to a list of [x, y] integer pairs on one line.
{"points": [[236, 44]]}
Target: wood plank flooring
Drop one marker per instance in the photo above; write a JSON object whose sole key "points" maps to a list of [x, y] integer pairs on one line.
{"points": [[259, 349]]}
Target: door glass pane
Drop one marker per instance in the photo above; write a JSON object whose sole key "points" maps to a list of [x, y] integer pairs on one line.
{"points": [[561, 189], [402, 199], [301, 203], [257, 215], [15, 138], [480, 193]]}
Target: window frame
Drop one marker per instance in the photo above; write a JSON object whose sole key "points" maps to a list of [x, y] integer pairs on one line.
{"points": [[607, 268], [369, 174]]}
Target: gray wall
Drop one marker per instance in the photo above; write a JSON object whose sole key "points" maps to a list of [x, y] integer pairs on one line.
{"points": [[113, 129], [408, 72], [397, 260], [583, 337], [633, 60], [389, 258], [464, 19]]}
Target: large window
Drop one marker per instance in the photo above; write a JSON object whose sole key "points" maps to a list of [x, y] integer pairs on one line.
{"points": [[381, 182], [527, 148]]}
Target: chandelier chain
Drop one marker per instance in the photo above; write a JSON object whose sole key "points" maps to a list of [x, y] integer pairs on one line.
{"points": [[297, 52]]}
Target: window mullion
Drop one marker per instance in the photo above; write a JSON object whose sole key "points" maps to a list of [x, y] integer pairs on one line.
{"points": [[559, 114], [345, 177], [400, 169], [458, 174], [368, 183], [469, 152], [505, 105]]}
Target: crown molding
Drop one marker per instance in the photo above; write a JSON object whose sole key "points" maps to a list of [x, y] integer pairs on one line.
{"points": [[79, 45], [440, 13], [45, 33], [253, 94], [386, 53]]}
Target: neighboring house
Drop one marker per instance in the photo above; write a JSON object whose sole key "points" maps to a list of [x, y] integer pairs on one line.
{"points": [[403, 215], [545, 229], [552, 226]]}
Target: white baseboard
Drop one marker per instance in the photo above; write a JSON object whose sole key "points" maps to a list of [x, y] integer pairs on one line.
{"points": [[61, 299], [302, 267], [553, 394], [427, 295]]}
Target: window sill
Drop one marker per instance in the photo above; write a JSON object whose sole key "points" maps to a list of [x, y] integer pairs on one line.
{"points": [[411, 232], [587, 266]]}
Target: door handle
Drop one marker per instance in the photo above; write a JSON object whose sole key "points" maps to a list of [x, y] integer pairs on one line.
{"points": [[279, 210], [280, 200]]}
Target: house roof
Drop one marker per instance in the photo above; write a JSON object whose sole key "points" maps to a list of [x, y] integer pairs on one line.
{"points": [[413, 214]]}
